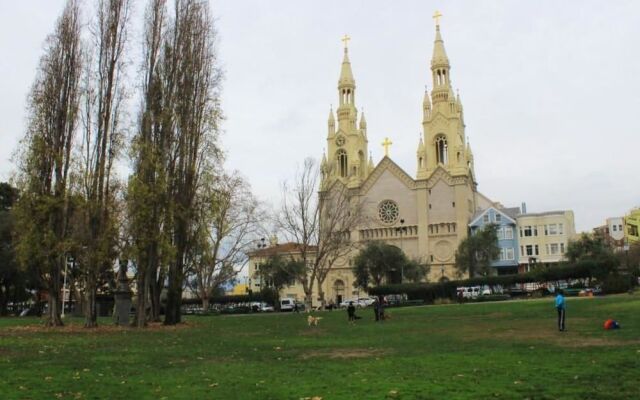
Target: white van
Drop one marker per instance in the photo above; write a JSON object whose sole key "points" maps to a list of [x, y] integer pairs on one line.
{"points": [[287, 304]]}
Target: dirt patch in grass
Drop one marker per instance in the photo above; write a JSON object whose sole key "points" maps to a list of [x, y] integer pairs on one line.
{"points": [[100, 329], [542, 331], [343, 353]]}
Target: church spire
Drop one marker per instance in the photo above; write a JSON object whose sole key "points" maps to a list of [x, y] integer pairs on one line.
{"points": [[347, 113], [440, 66], [346, 80], [426, 106]]}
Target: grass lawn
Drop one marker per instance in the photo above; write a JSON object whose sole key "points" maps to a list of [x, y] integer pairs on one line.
{"points": [[506, 350]]}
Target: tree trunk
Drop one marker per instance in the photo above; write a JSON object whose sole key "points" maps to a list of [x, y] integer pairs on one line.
{"points": [[174, 294], [157, 283], [142, 284], [90, 311], [4, 300], [205, 303], [53, 314], [321, 295]]}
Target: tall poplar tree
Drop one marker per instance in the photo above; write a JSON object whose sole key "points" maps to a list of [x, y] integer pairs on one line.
{"points": [[147, 192], [42, 211], [104, 93], [191, 67]]}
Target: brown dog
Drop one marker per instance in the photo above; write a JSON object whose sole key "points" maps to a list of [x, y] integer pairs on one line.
{"points": [[311, 320]]}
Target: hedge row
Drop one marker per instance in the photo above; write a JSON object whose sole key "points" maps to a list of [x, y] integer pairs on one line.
{"points": [[431, 291], [237, 298]]}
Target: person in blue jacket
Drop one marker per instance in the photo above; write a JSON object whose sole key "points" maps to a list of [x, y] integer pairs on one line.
{"points": [[561, 308]]}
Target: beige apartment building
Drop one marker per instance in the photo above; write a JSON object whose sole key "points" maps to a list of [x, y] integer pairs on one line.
{"points": [[543, 237]]}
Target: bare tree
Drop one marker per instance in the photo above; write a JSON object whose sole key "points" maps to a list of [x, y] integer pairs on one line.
{"points": [[104, 94], [229, 223], [42, 223], [321, 225], [340, 216], [191, 65]]}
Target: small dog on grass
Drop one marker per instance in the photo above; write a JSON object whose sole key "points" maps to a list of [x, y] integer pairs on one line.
{"points": [[311, 320]]}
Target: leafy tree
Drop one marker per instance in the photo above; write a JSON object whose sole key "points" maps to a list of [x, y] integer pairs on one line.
{"points": [[277, 273], [631, 258], [13, 280], [378, 262], [476, 252], [593, 248]]}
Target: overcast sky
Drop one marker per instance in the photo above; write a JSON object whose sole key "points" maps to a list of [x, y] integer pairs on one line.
{"points": [[550, 89]]}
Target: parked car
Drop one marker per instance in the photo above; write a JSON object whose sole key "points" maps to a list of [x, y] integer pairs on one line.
{"points": [[395, 299], [366, 301], [258, 306], [470, 292], [356, 302]]}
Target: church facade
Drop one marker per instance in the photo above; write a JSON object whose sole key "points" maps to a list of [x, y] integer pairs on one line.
{"points": [[426, 215]]}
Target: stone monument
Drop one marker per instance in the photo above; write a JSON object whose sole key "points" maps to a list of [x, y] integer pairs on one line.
{"points": [[122, 296]]}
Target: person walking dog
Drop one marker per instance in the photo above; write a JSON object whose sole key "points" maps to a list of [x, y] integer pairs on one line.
{"points": [[561, 308]]}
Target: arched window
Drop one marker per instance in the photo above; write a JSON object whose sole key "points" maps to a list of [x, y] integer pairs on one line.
{"points": [[341, 156], [362, 163], [441, 150]]}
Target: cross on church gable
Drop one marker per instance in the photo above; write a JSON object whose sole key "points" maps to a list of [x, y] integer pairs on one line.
{"points": [[387, 165]]}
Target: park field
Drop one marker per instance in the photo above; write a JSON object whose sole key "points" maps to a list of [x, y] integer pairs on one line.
{"points": [[504, 350]]}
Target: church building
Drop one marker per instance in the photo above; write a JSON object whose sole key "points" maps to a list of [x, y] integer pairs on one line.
{"points": [[426, 214]]}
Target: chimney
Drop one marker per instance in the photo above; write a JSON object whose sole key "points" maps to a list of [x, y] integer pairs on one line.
{"points": [[524, 207], [273, 240]]}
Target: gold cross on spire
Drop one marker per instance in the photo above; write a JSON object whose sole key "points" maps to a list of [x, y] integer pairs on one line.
{"points": [[386, 143], [346, 39], [436, 16]]}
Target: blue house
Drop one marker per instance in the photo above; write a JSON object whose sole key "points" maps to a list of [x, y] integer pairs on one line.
{"points": [[505, 220]]}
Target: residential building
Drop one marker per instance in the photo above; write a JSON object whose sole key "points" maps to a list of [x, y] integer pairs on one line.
{"points": [[505, 221], [612, 233], [544, 237], [632, 226]]}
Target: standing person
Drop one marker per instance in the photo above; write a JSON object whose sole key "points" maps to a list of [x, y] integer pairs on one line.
{"points": [[351, 312], [561, 308], [376, 309], [381, 308]]}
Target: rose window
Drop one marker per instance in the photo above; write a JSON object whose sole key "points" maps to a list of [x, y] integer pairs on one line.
{"points": [[388, 211]]}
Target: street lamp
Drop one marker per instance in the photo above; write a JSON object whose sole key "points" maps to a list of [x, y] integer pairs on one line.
{"points": [[400, 229], [261, 244], [442, 271], [64, 283]]}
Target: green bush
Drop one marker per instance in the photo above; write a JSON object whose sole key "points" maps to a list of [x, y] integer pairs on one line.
{"points": [[429, 292], [617, 284]]}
